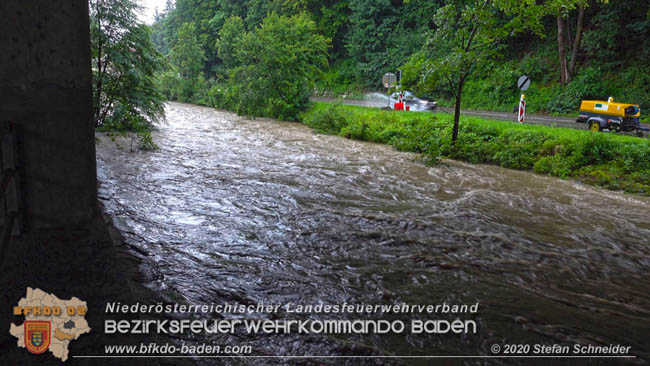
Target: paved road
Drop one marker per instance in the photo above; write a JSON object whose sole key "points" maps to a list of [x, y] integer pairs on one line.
{"points": [[564, 122]]}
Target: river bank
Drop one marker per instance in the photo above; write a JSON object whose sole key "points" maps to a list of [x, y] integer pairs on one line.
{"points": [[611, 161]]}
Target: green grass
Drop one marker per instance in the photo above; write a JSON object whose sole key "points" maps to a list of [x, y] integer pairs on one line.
{"points": [[612, 161]]}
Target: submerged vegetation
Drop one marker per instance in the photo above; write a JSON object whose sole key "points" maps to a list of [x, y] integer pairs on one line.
{"points": [[615, 162]]}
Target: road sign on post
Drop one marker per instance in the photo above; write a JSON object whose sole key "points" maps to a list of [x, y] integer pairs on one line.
{"points": [[523, 83], [389, 80], [522, 109]]}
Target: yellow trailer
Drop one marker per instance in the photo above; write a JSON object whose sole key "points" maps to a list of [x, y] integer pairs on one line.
{"points": [[610, 115]]}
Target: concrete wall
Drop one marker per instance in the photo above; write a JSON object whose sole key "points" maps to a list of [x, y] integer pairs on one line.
{"points": [[45, 87]]}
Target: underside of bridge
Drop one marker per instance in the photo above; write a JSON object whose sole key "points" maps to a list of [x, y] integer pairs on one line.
{"points": [[54, 236]]}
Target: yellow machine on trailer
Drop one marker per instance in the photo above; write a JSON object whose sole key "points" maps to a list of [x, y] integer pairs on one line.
{"points": [[600, 115]]}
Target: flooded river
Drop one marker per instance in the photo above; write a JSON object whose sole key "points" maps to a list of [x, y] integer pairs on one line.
{"points": [[232, 210]]}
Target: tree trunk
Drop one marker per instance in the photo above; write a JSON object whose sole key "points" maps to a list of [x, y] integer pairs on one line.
{"points": [[459, 94], [98, 87], [564, 72], [569, 37], [576, 41]]}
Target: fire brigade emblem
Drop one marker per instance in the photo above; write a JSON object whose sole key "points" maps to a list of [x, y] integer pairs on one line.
{"points": [[37, 336]]}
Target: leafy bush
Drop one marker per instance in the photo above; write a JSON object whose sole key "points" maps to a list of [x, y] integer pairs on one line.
{"points": [[278, 65], [633, 86], [496, 91], [169, 85], [330, 120], [588, 84], [341, 78], [146, 142], [555, 165]]}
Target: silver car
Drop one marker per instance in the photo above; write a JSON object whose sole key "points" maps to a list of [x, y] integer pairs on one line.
{"points": [[414, 103]]}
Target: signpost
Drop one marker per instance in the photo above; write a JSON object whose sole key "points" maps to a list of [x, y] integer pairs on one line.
{"points": [[522, 109], [389, 80], [523, 84]]}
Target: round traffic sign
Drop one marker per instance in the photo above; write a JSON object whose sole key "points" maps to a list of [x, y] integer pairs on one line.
{"points": [[389, 80], [523, 83]]}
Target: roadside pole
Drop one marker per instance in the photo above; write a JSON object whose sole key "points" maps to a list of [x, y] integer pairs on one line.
{"points": [[522, 109], [523, 84]]}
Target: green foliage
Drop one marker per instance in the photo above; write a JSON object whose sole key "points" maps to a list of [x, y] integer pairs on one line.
{"points": [[496, 90], [588, 84], [333, 23], [229, 41], [382, 34], [146, 142], [371, 23], [555, 165], [632, 85], [278, 65], [467, 37], [259, 9], [371, 37], [272, 68], [330, 120], [339, 79], [184, 80], [611, 161], [187, 56], [222, 96], [124, 64], [619, 33]]}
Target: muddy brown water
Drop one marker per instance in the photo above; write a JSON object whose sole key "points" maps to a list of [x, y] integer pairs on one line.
{"points": [[260, 211]]}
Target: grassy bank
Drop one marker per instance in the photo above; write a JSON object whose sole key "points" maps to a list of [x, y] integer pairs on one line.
{"points": [[612, 161]]}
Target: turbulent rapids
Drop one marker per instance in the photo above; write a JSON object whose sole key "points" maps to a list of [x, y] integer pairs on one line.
{"points": [[232, 210]]}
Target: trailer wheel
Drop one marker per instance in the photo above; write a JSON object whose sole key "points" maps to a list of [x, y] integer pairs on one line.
{"points": [[639, 133], [594, 126]]}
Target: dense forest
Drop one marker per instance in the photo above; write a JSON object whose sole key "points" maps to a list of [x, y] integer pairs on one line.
{"points": [[266, 58], [570, 49]]}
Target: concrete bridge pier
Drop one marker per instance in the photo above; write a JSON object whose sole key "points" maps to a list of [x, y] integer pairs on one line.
{"points": [[64, 246], [45, 89]]}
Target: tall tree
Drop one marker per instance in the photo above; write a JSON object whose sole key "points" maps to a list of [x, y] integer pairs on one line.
{"points": [[124, 64], [187, 58], [371, 24], [278, 64], [187, 54], [577, 40], [468, 35], [561, 47], [169, 7], [228, 42], [562, 9]]}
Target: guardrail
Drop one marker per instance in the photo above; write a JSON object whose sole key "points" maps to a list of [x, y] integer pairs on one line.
{"points": [[10, 202]]}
